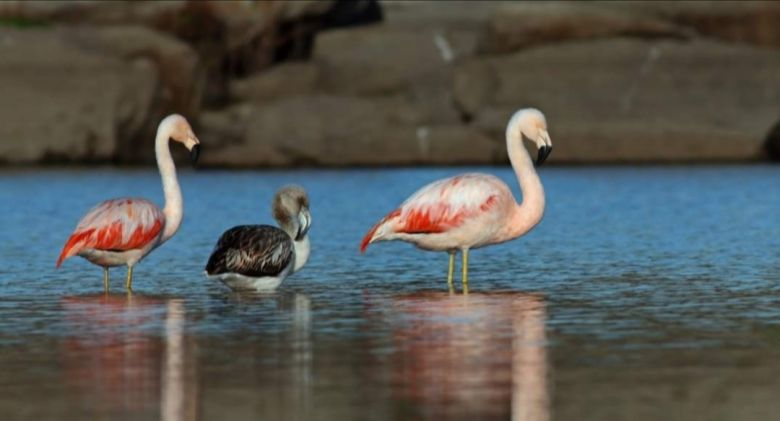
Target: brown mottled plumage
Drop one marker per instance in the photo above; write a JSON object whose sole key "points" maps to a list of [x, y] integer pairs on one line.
{"points": [[251, 250], [261, 256]]}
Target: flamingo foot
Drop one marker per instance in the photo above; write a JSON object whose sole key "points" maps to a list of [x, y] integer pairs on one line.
{"points": [[105, 280], [129, 282]]}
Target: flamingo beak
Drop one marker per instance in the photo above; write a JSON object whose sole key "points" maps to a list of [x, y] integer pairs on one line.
{"points": [[304, 223], [544, 152], [545, 147], [192, 143], [195, 153]]}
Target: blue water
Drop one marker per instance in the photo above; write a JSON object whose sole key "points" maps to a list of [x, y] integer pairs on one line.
{"points": [[648, 293]]}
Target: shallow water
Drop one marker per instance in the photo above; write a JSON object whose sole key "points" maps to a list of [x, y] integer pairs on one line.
{"points": [[646, 293]]}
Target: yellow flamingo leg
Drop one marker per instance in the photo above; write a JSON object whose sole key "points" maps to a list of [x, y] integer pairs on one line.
{"points": [[105, 280], [451, 270], [129, 283]]}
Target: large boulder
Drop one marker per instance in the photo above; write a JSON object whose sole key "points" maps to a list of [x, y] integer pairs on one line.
{"points": [[148, 13], [336, 131], [233, 38], [179, 72], [517, 25], [631, 81], [388, 61], [287, 79], [751, 22], [177, 64], [61, 102], [458, 15], [241, 21], [378, 60], [630, 100]]}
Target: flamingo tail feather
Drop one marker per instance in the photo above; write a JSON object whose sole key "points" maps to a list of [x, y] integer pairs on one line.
{"points": [[370, 235], [73, 246]]}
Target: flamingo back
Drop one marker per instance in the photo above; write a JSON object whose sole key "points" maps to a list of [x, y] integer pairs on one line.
{"points": [[117, 225], [442, 206]]}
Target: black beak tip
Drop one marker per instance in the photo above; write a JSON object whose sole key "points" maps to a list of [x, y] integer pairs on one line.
{"points": [[544, 152], [194, 154]]}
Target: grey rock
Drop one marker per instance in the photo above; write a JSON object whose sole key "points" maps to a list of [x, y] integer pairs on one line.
{"points": [[751, 22], [630, 100], [179, 72], [393, 62], [287, 79], [474, 85], [223, 129], [447, 145], [380, 60], [63, 103], [177, 63], [518, 25], [619, 81], [90, 12], [432, 14], [337, 131]]}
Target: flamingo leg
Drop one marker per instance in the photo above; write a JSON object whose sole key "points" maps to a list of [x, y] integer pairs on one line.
{"points": [[451, 270], [465, 279], [129, 282], [105, 280]]}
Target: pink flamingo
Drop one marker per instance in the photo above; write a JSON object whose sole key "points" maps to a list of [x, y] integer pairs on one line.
{"points": [[473, 210], [122, 231]]}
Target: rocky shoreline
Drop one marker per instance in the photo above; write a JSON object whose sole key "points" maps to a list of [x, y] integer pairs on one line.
{"points": [[328, 83]]}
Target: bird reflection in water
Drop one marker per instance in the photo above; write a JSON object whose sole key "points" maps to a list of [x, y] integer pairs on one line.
{"points": [[129, 355], [302, 350], [282, 361], [475, 356]]}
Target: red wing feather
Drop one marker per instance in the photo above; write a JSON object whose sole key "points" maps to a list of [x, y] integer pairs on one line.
{"points": [[431, 219], [427, 220], [107, 227], [442, 206], [74, 240], [367, 238]]}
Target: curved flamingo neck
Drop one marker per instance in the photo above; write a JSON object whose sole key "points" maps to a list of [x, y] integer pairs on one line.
{"points": [[302, 249], [174, 208], [527, 213]]}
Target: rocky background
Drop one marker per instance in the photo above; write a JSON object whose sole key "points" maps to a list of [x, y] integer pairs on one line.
{"points": [[335, 83]]}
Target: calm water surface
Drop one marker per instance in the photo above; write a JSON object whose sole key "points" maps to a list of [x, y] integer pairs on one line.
{"points": [[649, 293]]}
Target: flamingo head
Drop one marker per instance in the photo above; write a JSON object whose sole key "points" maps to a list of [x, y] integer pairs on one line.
{"points": [[291, 210], [530, 124], [181, 131]]}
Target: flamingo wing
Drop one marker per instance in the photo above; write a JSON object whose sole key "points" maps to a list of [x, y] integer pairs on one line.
{"points": [[441, 206], [251, 250], [116, 225]]}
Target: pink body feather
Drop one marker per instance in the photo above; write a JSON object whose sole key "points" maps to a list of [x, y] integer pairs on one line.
{"points": [[116, 225], [452, 207]]}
